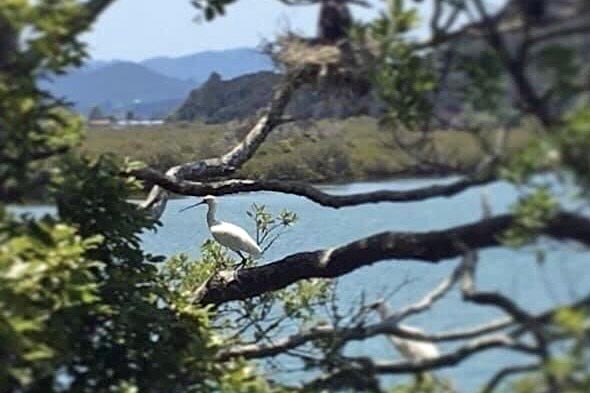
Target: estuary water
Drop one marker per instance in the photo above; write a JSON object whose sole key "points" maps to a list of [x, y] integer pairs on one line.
{"points": [[563, 277]]}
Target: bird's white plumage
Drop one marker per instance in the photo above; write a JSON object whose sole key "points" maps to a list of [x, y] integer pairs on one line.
{"points": [[229, 235], [412, 350], [234, 238]]}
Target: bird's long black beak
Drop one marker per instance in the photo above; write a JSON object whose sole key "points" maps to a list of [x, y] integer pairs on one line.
{"points": [[191, 206]]}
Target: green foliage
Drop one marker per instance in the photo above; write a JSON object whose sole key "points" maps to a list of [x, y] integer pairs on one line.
{"points": [[571, 321], [570, 366], [525, 385], [425, 383], [43, 275], [531, 214], [539, 154], [82, 306], [571, 369], [484, 85], [562, 151], [404, 78], [91, 193], [298, 300], [268, 228], [81, 302], [573, 143], [37, 39], [560, 66]]}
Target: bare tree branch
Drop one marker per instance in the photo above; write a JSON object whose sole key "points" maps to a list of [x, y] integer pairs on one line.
{"points": [[476, 30], [428, 300], [310, 192], [404, 367], [582, 27], [506, 304], [497, 379], [455, 357], [488, 298], [515, 66], [386, 327]]}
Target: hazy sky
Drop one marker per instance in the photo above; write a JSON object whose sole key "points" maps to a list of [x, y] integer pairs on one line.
{"points": [[139, 29]]}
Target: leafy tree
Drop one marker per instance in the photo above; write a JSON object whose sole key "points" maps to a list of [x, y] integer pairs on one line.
{"points": [[83, 308]]}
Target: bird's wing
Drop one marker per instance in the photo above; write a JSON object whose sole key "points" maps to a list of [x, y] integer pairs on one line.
{"points": [[413, 349], [235, 237]]}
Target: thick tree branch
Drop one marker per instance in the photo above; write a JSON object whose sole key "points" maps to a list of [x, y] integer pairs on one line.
{"points": [[310, 192], [433, 246]]}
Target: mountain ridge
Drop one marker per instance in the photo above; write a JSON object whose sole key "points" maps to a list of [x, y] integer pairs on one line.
{"points": [[150, 87], [198, 66]]}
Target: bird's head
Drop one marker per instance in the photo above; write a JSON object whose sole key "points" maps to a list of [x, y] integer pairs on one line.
{"points": [[376, 305], [208, 200], [380, 306]]}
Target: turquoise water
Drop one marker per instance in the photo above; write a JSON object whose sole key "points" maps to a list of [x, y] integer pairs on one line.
{"points": [[564, 276]]}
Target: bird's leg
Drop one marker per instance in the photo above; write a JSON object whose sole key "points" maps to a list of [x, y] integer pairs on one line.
{"points": [[239, 266], [243, 262]]}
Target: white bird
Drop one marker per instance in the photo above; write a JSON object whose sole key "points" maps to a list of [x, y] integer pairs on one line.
{"points": [[227, 234], [412, 350]]}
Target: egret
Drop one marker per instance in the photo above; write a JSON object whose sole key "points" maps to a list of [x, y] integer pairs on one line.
{"points": [[227, 234], [412, 350]]}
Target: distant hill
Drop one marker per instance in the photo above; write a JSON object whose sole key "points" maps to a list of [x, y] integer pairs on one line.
{"points": [[117, 85], [228, 63], [218, 100], [154, 87]]}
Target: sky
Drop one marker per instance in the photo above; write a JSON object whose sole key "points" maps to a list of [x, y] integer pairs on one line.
{"points": [[139, 29]]}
